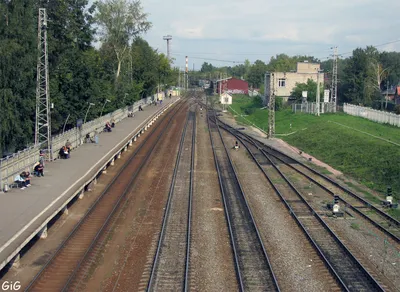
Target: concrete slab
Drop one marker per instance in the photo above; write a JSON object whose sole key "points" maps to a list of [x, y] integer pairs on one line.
{"points": [[24, 212]]}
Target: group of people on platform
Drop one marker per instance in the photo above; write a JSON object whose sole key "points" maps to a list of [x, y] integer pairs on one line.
{"points": [[108, 127], [23, 180], [65, 151]]}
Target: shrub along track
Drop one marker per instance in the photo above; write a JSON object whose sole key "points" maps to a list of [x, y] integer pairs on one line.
{"points": [[62, 268], [348, 271]]}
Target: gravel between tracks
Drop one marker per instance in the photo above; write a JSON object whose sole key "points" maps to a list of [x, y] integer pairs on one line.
{"points": [[211, 260], [128, 255], [367, 243], [295, 263], [377, 253]]}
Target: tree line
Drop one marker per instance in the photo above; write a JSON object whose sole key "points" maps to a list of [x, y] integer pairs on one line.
{"points": [[95, 54], [361, 76]]}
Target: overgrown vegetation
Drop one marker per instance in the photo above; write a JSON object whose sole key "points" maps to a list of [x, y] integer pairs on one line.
{"points": [[124, 68], [373, 162]]}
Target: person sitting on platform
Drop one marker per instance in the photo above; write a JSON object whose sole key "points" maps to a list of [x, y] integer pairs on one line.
{"points": [[63, 153], [140, 108], [130, 115], [112, 123], [107, 128], [69, 146], [89, 139], [26, 175], [20, 182], [38, 170]]}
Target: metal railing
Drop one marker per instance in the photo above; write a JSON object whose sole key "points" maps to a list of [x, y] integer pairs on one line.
{"points": [[311, 107], [14, 164], [372, 114]]}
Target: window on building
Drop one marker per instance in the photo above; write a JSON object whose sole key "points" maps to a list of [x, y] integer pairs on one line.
{"points": [[281, 82]]}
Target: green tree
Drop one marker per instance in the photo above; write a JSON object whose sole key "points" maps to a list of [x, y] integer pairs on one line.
{"points": [[17, 73], [310, 87], [120, 22], [257, 73]]}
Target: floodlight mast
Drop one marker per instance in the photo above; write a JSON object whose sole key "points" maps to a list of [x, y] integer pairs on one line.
{"points": [[43, 119], [168, 38]]}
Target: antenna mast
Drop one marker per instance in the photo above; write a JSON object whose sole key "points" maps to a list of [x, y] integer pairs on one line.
{"points": [[43, 120]]}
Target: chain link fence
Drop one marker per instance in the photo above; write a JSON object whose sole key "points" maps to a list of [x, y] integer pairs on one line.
{"points": [[311, 107]]}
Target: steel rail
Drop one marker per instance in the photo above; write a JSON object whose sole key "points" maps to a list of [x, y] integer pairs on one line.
{"points": [[338, 185], [189, 232], [93, 206], [355, 209], [314, 213], [247, 208], [166, 215]]}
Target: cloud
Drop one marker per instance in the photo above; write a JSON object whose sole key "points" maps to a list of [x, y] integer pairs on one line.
{"points": [[229, 28]]}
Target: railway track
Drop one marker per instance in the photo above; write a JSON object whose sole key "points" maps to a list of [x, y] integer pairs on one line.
{"points": [[170, 270], [253, 269], [384, 222], [347, 270], [59, 272]]}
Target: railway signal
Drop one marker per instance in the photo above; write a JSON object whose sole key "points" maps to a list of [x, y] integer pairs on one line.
{"points": [[389, 199], [336, 206]]}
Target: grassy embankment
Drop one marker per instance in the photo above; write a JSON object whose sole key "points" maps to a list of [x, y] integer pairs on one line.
{"points": [[371, 161]]}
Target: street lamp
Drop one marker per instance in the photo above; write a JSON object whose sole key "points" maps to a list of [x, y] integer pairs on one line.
{"points": [[90, 104], [65, 123], [107, 100]]}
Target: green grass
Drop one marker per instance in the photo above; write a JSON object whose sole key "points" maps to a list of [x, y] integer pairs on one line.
{"points": [[372, 162], [355, 226]]}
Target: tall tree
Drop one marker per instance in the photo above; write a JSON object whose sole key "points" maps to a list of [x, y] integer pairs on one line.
{"points": [[120, 22], [256, 75], [17, 73]]}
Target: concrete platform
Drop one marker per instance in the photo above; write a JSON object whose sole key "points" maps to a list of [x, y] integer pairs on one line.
{"points": [[24, 213]]}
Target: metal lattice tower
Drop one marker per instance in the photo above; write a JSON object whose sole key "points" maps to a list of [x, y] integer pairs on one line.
{"points": [[43, 122], [271, 114], [168, 38], [334, 76]]}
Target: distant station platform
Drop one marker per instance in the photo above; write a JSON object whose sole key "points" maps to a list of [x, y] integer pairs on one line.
{"points": [[25, 213]]}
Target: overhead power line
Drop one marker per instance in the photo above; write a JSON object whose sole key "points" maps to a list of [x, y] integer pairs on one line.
{"points": [[209, 59]]}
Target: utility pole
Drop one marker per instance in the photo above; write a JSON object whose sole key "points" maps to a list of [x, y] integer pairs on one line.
{"points": [[179, 78], [43, 118], [318, 97], [334, 77], [187, 71], [266, 88], [387, 90], [271, 113], [168, 38]]}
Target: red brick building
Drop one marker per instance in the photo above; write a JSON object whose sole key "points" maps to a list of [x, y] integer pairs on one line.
{"points": [[232, 86]]}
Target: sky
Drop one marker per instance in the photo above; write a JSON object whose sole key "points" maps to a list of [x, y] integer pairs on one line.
{"points": [[226, 32]]}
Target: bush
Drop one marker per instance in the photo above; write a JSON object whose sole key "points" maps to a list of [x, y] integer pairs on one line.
{"points": [[397, 109], [278, 103]]}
